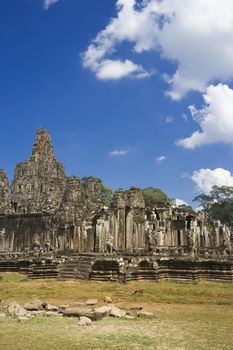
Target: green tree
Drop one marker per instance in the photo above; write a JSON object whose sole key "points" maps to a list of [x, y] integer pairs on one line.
{"points": [[153, 196], [186, 208], [218, 205], [106, 193]]}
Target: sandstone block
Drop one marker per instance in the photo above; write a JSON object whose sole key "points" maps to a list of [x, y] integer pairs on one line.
{"points": [[116, 312], [85, 321], [107, 300], [143, 313], [102, 311], [92, 302], [36, 305], [79, 312], [50, 307], [14, 309]]}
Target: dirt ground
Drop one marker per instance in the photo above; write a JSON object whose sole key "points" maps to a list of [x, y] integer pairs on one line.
{"points": [[186, 317]]}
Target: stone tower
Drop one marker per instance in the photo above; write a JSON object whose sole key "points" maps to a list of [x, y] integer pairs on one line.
{"points": [[39, 182], [4, 193]]}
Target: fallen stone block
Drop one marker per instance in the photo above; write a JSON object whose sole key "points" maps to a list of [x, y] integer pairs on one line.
{"points": [[85, 321], [36, 305], [77, 303], [92, 302], [129, 317], [14, 309], [133, 311], [79, 312], [103, 311], [38, 313], [143, 313], [116, 312], [63, 307], [107, 300], [50, 307]]}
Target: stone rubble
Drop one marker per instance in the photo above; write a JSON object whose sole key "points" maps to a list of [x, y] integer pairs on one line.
{"points": [[14, 309], [116, 312], [37, 305], [108, 300], [92, 302], [85, 321], [85, 313]]}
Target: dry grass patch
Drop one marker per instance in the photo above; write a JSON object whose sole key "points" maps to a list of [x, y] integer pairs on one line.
{"points": [[15, 287], [187, 317]]}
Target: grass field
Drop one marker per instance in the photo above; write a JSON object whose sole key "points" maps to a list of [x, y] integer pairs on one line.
{"points": [[186, 317]]}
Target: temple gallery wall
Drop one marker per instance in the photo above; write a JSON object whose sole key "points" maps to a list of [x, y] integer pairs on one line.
{"points": [[44, 213], [43, 208]]}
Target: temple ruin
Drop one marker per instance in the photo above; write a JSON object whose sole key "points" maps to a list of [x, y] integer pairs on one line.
{"points": [[44, 213]]}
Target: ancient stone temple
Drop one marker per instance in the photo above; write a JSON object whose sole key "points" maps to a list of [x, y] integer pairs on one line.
{"points": [[44, 212], [39, 182]]}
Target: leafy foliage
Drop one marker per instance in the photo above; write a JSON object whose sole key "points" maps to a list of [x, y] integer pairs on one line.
{"points": [[218, 205], [106, 193], [153, 196], [186, 208]]}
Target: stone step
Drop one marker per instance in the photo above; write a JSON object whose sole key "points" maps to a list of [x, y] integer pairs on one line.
{"points": [[77, 268]]}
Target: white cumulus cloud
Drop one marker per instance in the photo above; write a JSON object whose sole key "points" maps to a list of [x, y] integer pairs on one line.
{"points": [[179, 202], [48, 3], [119, 152], [160, 159], [115, 69], [168, 119], [197, 36], [215, 118], [205, 179]]}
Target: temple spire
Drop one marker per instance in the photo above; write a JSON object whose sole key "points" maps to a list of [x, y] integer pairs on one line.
{"points": [[42, 147]]}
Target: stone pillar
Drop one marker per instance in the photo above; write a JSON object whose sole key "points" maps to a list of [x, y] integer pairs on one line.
{"points": [[2, 240], [5, 203], [135, 220], [117, 228]]}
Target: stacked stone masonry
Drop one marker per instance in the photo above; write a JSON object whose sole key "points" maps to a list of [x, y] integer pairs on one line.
{"points": [[45, 212]]}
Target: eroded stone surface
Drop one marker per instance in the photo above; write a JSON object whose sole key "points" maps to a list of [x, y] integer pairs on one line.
{"points": [[14, 309], [85, 321], [103, 311], [108, 300], [92, 302], [116, 312], [44, 212], [36, 305], [79, 312]]}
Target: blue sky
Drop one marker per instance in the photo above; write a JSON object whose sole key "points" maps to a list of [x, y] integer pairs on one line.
{"points": [[105, 119]]}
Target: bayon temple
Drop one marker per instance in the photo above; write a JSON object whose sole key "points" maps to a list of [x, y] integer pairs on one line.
{"points": [[44, 213]]}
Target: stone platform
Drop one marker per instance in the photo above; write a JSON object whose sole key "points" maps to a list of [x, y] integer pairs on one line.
{"points": [[121, 268]]}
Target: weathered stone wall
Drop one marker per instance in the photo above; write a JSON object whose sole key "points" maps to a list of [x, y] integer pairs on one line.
{"points": [[45, 209], [127, 220], [122, 268], [21, 233], [39, 182], [5, 203]]}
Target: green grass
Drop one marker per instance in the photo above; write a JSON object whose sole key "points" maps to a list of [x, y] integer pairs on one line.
{"points": [[18, 288], [186, 317]]}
